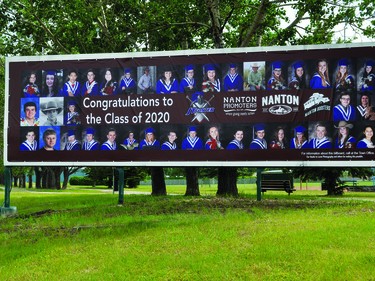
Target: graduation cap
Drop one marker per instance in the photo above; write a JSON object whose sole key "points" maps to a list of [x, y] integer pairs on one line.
{"points": [[276, 65], [127, 70], [90, 131], [149, 131], [51, 72], [369, 63], [209, 67], [298, 64], [300, 129], [189, 67], [259, 127], [71, 133], [232, 65], [192, 129], [343, 62]]}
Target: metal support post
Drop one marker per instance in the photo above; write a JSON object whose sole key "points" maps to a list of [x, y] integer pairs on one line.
{"points": [[7, 210], [121, 184], [259, 189]]}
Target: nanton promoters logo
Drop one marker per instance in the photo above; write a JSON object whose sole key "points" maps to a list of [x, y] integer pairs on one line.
{"points": [[199, 107]]}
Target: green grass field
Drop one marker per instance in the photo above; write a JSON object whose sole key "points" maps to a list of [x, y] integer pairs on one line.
{"points": [[80, 234]]}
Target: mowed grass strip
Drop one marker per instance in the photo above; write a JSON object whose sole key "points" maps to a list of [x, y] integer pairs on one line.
{"points": [[64, 236]]}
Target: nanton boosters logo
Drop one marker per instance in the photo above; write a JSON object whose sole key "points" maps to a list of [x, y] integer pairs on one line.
{"points": [[316, 102], [199, 107]]}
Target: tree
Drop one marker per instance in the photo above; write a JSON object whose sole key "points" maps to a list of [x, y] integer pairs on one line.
{"points": [[331, 176]]}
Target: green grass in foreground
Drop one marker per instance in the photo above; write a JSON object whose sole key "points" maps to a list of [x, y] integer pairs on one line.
{"points": [[85, 236]]}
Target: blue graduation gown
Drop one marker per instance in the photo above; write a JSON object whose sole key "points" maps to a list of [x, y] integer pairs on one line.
{"points": [[233, 82], [192, 144]]}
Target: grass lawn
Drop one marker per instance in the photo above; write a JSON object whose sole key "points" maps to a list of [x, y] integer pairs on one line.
{"points": [[80, 234]]}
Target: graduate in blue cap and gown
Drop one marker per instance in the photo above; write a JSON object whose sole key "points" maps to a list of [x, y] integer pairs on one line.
{"points": [[276, 82], [233, 82], [170, 144], [110, 144], [344, 81], [167, 84], [188, 84], [210, 83], [127, 83], [31, 89], [368, 77], [30, 144], [90, 87], [259, 142], [300, 140], [320, 79], [192, 141], [298, 80], [90, 143], [72, 116], [149, 142], [344, 111], [320, 140], [236, 143], [72, 88], [130, 143], [72, 143]]}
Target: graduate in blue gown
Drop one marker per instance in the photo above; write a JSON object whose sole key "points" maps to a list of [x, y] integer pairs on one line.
{"points": [[300, 140], [344, 139], [149, 142], [344, 111], [188, 84], [368, 76], [277, 81], [320, 79], [233, 82], [30, 144], [259, 141], [90, 143], [192, 141], [368, 138], [71, 88], [170, 144], [344, 81], [127, 83], [110, 144], [236, 143], [72, 143], [167, 84], [90, 87], [320, 140]]}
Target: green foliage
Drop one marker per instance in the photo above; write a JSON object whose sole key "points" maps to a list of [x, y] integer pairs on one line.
{"points": [[85, 235], [85, 181]]}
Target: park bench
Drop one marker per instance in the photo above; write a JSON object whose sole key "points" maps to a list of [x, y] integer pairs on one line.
{"points": [[277, 185]]}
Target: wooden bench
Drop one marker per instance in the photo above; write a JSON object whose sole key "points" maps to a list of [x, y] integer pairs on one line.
{"points": [[277, 185]]}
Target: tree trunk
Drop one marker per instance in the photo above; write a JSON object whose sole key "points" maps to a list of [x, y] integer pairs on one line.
{"points": [[38, 177], [158, 182], [30, 180], [192, 185], [15, 181], [227, 182], [23, 181], [66, 177]]}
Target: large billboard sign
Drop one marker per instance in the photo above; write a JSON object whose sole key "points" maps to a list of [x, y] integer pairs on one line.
{"points": [[277, 106]]}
